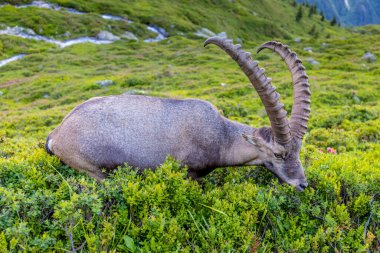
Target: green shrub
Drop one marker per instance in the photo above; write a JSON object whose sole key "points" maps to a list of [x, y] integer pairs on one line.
{"points": [[46, 204]]}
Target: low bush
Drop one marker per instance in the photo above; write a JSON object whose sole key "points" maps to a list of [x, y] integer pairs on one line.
{"points": [[47, 206]]}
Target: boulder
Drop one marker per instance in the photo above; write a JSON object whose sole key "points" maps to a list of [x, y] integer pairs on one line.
{"points": [[222, 35], [105, 35], [161, 33], [129, 36], [312, 61], [205, 33], [308, 49], [105, 83], [369, 57]]}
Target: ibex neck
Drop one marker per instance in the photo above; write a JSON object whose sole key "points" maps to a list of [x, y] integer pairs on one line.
{"points": [[238, 151]]}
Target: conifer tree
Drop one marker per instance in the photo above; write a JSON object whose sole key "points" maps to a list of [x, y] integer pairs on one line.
{"points": [[299, 14]]}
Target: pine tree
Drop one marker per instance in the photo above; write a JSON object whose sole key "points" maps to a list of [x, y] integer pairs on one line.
{"points": [[299, 14], [322, 16], [333, 21], [312, 10]]}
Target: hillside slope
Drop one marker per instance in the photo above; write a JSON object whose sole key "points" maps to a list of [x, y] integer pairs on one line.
{"points": [[47, 206], [245, 19]]}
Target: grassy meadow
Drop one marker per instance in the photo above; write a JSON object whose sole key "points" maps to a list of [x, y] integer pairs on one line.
{"points": [[46, 206]]}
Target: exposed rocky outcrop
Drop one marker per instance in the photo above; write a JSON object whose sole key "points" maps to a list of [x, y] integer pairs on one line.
{"points": [[312, 61], [161, 33], [129, 36], [369, 57], [204, 33], [105, 35], [9, 60]]}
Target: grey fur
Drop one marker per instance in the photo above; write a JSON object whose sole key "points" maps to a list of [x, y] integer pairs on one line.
{"points": [[142, 131]]}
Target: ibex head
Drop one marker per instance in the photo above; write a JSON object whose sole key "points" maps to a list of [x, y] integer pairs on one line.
{"points": [[279, 145]]}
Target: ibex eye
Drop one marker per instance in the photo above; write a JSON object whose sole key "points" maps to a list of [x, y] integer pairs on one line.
{"points": [[279, 156]]}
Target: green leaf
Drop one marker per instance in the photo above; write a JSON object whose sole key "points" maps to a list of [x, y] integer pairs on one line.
{"points": [[130, 244]]}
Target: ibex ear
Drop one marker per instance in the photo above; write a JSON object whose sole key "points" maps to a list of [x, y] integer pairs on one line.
{"points": [[252, 139], [257, 141]]}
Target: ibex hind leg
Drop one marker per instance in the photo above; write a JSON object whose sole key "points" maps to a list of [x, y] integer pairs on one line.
{"points": [[87, 167]]}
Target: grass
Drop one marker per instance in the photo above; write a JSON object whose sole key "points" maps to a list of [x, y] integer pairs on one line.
{"points": [[48, 206]]}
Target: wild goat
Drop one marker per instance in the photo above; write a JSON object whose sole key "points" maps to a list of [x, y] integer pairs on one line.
{"points": [[105, 132]]}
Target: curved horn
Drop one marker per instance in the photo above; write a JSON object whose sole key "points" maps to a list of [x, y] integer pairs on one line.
{"points": [[301, 94], [263, 86]]}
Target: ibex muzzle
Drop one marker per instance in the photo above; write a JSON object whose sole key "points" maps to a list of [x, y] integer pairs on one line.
{"points": [[106, 132]]}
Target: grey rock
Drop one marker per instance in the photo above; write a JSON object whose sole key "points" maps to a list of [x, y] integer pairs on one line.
{"points": [[135, 92], [29, 31], [112, 17], [105, 35], [298, 40], [105, 83], [369, 57], [204, 33], [14, 58], [24, 33], [162, 34], [67, 34], [129, 36], [161, 30], [308, 49], [1, 93], [324, 44], [222, 35], [312, 61], [356, 98]]}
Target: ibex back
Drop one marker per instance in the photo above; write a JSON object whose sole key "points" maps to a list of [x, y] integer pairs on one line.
{"points": [[141, 131]]}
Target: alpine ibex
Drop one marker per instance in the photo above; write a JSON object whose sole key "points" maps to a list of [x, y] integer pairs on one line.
{"points": [[105, 132]]}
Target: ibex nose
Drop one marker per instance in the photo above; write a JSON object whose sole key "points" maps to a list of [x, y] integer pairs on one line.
{"points": [[301, 187]]}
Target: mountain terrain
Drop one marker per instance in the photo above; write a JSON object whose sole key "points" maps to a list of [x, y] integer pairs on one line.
{"points": [[349, 12], [55, 55]]}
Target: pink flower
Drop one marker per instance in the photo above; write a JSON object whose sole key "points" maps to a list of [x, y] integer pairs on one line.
{"points": [[320, 151], [331, 150]]}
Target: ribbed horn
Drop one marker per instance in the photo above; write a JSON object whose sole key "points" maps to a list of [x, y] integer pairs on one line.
{"points": [[268, 95], [301, 87]]}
